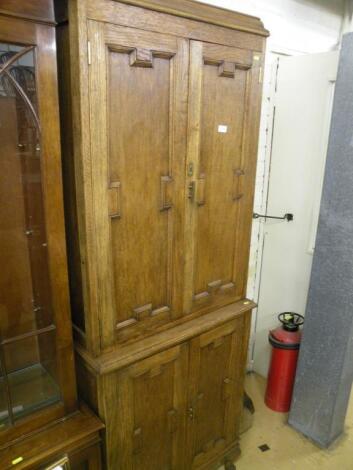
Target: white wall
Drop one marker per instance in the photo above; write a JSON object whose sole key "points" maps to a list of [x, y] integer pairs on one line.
{"points": [[296, 27], [303, 99]]}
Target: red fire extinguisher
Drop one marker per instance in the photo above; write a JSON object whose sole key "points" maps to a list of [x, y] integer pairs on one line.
{"points": [[285, 341]]}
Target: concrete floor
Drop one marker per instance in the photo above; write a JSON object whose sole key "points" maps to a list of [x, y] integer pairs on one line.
{"points": [[289, 450]]}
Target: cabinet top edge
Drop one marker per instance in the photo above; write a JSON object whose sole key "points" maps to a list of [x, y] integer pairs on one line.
{"points": [[190, 9], [204, 12], [79, 427], [39, 11], [127, 354]]}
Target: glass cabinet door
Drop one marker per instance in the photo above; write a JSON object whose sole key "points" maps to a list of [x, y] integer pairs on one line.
{"points": [[28, 374]]}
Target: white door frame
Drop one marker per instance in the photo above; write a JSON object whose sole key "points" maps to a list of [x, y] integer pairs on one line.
{"points": [[264, 165]]}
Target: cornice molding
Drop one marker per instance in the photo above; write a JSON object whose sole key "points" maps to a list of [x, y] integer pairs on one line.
{"points": [[204, 12]]}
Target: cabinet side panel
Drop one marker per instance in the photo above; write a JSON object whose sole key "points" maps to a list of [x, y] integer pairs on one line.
{"points": [[70, 196], [249, 162], [87, 384]]}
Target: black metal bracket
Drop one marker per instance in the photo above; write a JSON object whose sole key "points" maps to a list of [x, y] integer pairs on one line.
{"points": [[287, 217]]}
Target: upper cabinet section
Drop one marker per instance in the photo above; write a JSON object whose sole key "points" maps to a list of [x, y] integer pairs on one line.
{"points": [[164, 99]]}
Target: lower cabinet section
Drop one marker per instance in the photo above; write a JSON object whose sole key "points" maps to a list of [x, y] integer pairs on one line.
{"points": [[73, 443], [176, 409]]}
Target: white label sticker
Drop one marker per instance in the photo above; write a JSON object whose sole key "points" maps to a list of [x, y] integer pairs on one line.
{"points": [[222, 129]]}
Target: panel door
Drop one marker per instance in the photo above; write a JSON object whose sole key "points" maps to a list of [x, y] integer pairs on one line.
{"points": [[149, 422], [222, 146], [138, 96], [215, 392]]}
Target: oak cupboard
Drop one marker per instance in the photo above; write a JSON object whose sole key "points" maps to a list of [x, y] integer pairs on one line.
{"points": [[160, 105], [37, 377]]}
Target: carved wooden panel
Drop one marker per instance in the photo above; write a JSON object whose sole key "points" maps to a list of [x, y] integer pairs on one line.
{"points": [[221, 82], [150, 406], [139, 175], [215, 392]]}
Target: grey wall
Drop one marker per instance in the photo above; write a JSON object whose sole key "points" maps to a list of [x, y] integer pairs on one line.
{"points": [[325, 368]]}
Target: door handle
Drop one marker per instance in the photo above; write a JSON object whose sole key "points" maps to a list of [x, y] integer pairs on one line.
{"points": [[238, 184], [197, 190], [194, 405], [191, 191], [114, 200], [200, 190], [172, 420], [191, 413], [137, 440], [165, 201], [228, 388]]}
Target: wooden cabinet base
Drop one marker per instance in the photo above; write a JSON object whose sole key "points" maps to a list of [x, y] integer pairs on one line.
{"points": [[174, 400], [75, 440]]}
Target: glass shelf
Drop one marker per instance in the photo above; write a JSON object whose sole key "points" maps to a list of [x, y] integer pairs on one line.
{"points": [[31, 388]]}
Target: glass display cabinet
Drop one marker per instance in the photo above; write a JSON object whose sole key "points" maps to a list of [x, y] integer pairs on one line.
{"points": [[28, 325], [40, 422], [37, 380]]}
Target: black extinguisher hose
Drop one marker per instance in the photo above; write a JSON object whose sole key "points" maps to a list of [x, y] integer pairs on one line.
{"points": [[279, 345]]}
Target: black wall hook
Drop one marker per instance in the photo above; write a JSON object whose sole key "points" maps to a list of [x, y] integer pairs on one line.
{"points": [[287, 217]]}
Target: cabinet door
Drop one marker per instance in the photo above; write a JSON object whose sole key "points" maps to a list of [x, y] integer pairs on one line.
{"points": [[145, 427], [138, 94], [222, 147], [215, 392]]}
